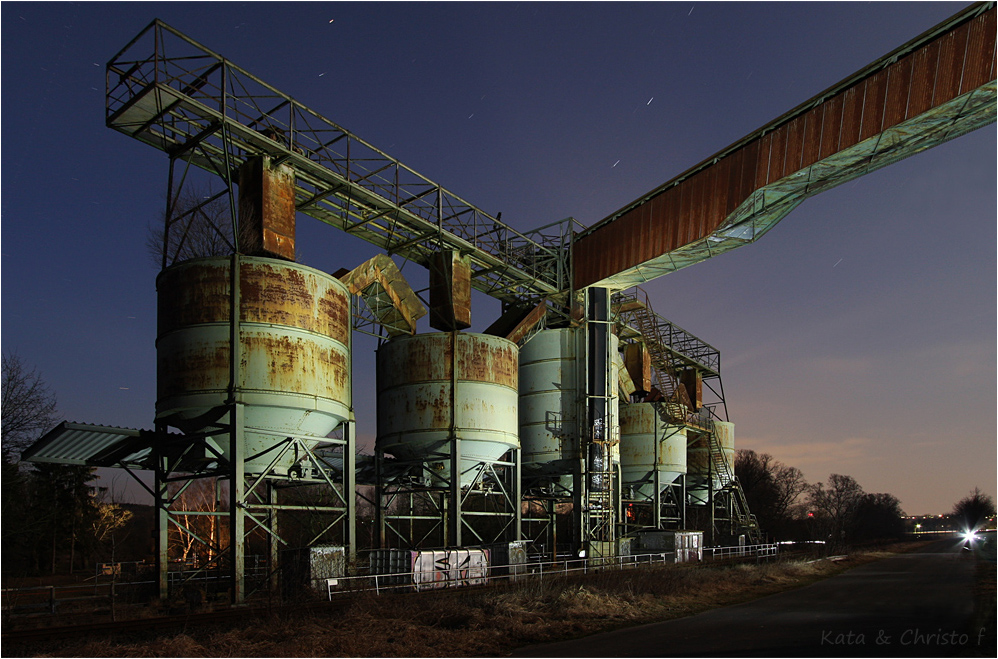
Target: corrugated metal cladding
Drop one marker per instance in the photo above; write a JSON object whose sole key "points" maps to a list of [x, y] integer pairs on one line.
{"points": [[952, 64]]}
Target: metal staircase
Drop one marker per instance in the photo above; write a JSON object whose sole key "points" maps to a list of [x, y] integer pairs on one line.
{"points": [[742, 519], [672, 348]]}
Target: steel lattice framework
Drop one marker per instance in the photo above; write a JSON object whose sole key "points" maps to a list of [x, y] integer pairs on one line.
{"points": [[169, 91]]}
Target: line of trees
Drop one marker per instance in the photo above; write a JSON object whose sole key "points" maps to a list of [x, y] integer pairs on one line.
{"points": [[837, 511]]}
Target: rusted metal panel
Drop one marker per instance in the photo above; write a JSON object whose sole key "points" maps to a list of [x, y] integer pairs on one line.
{"points": [[692, 381], [812, 136], [424, 403], [795, 145], [923, 75], [294, 348], [267, 209], [898, 88], [952, 53], [379, 279], [831, 127], [765, 157], [429, 358], [197, 291], [853, 100], [450, 291], [637, 361], [528, 323], [778, 155], [873, 105], [979, 66]]}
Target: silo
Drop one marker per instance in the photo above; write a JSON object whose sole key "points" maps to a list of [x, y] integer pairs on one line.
{"points": [[552, 393], [438, 386], [294, 347], [648, 445], [549, 401], [699, 462]]}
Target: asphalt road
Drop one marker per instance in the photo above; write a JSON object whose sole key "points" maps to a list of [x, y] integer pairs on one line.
{"points": [[915, 604]]}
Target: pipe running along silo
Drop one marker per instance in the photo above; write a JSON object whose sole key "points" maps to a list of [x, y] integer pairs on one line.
{"points": [[649, 447], [294, 354], [444, 386]]}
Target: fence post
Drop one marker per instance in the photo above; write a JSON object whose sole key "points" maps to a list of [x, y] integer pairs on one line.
{"points": [[52, 600]]}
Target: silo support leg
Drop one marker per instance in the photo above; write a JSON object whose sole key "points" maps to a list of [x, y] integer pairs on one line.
{"points": [[237, 503], [162, 531], [273, 544], [350, 493]]}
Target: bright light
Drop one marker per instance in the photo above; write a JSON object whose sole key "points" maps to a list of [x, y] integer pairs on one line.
{"points": [[970, 536]]}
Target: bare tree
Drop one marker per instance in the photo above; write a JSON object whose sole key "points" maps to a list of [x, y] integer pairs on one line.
{"points": [[835, 506], [772, 489], [28, 407], [198, 537], [200, 224]]}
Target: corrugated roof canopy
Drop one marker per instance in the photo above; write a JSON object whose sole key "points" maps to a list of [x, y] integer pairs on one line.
{"points": [[92, 445]]}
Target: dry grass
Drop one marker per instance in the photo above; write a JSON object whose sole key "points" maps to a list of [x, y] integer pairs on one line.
{"points": [[479, 622]]}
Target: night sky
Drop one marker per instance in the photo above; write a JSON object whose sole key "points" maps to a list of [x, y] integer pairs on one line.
{"points": [[858, 337]]}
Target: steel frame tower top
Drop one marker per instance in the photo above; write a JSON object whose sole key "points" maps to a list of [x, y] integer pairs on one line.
{"points": [[169, 91]]}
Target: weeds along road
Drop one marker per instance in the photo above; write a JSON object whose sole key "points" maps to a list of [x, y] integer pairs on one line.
{"points": [[914, 604]]}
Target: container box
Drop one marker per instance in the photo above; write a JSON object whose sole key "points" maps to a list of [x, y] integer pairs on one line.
{"points": [[304, 571], [430, 569], [686, 546]]}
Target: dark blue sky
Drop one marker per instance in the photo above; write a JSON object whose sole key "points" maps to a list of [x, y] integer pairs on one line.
{"points": [[857, 337]]}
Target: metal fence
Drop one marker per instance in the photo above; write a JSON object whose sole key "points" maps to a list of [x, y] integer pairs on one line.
{"points": [[414, 582]]}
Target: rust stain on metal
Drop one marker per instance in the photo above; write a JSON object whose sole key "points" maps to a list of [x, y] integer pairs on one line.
{"points": [[529, 321], [428, 358], [383, 275], [267, 208], [488, 361], [294, 331], [692, 381], [450, 291], [197, 292], [637, 361]]}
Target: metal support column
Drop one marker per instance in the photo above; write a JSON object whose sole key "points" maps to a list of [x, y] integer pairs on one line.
{"points": [[237, 504], [350, 490], [273, 542], [162, 523]]}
